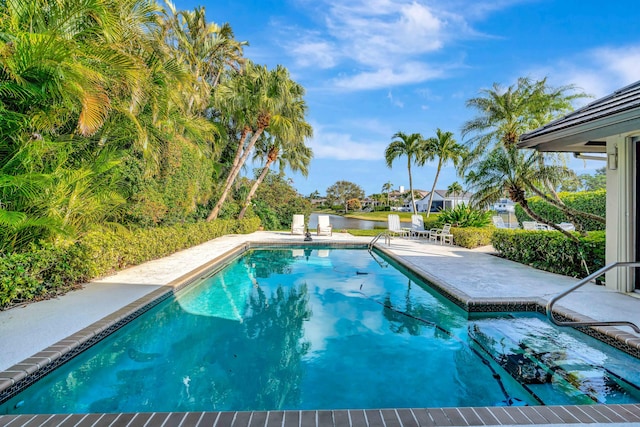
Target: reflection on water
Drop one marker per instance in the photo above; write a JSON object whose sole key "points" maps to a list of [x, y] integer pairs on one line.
{"points": [[318, 328], [340, 223]]}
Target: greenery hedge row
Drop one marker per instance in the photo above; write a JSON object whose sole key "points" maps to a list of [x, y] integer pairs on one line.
{"points": [[49, 270], [594, 202], [551, 251], [471, 237]]}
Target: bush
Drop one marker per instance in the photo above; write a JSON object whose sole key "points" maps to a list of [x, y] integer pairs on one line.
{"points": [[594, 202], [50, 270], [471, 237], [551, 251], [464, 215]]}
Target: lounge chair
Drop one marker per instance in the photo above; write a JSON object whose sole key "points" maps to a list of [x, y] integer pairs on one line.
{"points": [[442, 234], [417, 227], [324, 225], [567, 226], [498, 222], [394, 228], [529, 225], [297, 226]]}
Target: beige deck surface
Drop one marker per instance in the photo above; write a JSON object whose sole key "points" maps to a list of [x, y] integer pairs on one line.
{"points": [[26, 330]]}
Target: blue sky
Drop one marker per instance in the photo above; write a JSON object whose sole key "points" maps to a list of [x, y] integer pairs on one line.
{"points": [[372, 68]]}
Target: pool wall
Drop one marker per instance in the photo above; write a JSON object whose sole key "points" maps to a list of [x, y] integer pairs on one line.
{"points": [[25, 373]]}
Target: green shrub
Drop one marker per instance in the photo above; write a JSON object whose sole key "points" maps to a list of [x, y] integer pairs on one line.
{"points": [[432, 221], [552, 251], [49, 270], [471, 237], [594, 202], [463, 215]]}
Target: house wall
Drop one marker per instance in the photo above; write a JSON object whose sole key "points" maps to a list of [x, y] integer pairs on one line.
{"points": [[621, 215]]}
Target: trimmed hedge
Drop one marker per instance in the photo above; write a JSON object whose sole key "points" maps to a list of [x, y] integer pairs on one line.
{"points": [[594, 202], [551, 251], [471, 237], [50, 270]]}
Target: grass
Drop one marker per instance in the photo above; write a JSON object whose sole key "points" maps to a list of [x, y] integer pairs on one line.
{"points": [[382, 215], [371, 233]]}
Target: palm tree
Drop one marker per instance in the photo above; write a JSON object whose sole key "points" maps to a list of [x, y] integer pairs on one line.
{"points": [[412, 146], [510, 171], [256, 100], [296, 155], [446, 149], [454, 189], [387, 187], [505, 114]]}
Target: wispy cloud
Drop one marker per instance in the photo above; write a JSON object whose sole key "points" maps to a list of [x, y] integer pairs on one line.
{"points": [[598, 71], [384, 43], [341, 146]]}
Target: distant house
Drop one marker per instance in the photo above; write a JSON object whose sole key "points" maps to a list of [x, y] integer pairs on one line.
{"points": [[608, 128], [504, 205], [442, 201]]}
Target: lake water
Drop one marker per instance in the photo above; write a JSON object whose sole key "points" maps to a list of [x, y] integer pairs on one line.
{"points": [[340, 223]]}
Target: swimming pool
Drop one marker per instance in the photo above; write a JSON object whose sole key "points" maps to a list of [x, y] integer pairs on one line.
{"points": [[327, 328]]}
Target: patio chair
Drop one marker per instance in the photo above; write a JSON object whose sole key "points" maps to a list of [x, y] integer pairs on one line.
{"points": [[442, 234], [417, 227], [529, 225], [498, 222], [297, 226], [567, 226], [324, 225], [394, 228]]}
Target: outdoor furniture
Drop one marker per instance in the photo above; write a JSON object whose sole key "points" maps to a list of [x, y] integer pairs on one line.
{"points": [[324, 225], [498, 222], [567, 226], [442, 234], [297, 226], [417, 227], [534, 225], [394, 227]]}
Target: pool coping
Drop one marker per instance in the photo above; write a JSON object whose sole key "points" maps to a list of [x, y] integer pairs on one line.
{"points": [[23, 374]]}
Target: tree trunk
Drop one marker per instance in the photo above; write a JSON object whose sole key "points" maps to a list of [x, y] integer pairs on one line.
{"points": [[413, 201], [564, 208], [522, 201], [254, 188], [433, 188], [242, 155]]}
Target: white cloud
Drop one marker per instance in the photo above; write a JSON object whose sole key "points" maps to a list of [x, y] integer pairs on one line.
{"points": [[387, 42], [598, 71], [413, 72], [340, 146]]}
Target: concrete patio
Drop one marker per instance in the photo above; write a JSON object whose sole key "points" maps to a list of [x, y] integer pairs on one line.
{"points": [[474, 278]]}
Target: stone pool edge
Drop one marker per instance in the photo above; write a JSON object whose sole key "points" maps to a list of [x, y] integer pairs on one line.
{"points": [[25, 373]]}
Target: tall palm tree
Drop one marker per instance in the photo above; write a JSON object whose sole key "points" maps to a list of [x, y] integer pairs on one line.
{"points": [[387, 187], [294, 154], [454, 189], [445, 149], [510, 171], [503, 115], [413, 147], [256, 100]]}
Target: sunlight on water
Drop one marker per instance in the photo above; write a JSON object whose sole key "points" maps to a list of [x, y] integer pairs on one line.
{"points": [[327, 329]]}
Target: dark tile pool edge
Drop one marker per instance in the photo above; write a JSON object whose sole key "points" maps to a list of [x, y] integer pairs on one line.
{"points": [[23, 374], [409, 417], [35, 367], [617, 338]]}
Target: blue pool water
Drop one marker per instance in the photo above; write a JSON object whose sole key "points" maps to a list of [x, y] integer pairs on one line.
{"points": [[327, 329]]}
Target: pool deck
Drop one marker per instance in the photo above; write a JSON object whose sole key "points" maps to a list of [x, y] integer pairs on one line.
{"points": [[34, 335]]}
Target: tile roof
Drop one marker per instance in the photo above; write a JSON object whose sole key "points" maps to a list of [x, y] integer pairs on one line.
{"points": [[616, 113]]}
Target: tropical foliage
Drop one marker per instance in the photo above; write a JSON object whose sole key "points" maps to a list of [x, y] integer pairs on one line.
{"points": [[131, 113], [413, 148], [342, 192], [593, 202], [463, 215]]}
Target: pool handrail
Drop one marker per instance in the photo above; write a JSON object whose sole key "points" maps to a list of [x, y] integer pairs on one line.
{"points": [[583, 282], [375, 239]]}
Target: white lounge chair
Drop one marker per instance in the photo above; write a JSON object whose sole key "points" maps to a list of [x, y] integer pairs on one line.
{"points": [[324, 225], [567, 226], [417, 227], [442, 234], [498, 222], [297, 226], [394, 227]]}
